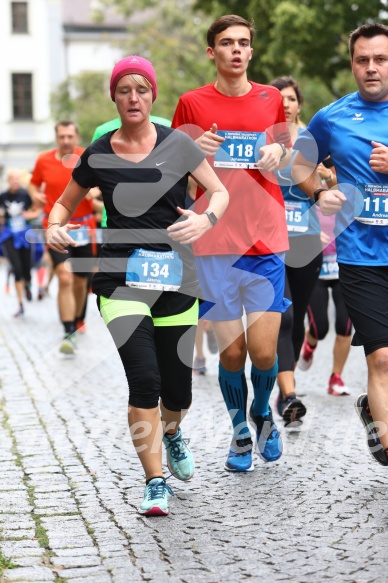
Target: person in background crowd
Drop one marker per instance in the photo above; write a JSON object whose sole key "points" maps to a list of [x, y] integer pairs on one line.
{"points": [[16, 206], [319, 301], [51, 173], [303, 263]]}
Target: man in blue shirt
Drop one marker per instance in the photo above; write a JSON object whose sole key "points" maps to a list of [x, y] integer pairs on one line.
{"points": [[353, 131]]}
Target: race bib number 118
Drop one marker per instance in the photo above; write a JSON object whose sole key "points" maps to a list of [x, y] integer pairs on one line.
{"points": [[239, 150]]}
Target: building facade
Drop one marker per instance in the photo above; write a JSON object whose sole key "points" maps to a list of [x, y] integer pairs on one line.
{"points": [[42, 42]]}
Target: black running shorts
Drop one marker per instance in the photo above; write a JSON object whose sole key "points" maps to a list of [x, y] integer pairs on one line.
{"points": [[365, 292]]}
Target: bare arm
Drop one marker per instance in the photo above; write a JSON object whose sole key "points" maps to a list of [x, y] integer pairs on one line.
{"points": [[306, 175], [37, 196], [57, 232], [191, 229]]}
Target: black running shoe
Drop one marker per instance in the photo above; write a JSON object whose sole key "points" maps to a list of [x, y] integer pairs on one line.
{"points": [[374, 444], [291, 409]]}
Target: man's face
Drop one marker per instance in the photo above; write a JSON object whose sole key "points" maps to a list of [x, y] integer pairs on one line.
{"points": [[370, 67], [232, 51], [66, 138]]}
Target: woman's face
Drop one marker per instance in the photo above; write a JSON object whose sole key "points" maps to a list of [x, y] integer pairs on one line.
{"points": [[133, 101], [290, 103]]}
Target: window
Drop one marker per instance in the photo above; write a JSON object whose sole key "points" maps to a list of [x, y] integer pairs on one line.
{"points": [[22, 95], [19, 17]]}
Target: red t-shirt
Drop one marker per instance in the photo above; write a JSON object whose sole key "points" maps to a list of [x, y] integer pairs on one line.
{"points": [[55, 175], [254, 222]]}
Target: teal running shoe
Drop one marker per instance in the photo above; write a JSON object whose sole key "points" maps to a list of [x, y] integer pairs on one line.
{"points": [[156, 495], [179, 458], [269, 445], [240, 456]]}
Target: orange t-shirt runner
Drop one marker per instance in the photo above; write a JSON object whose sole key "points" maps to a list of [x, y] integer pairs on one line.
{"points": [[54, 174]]}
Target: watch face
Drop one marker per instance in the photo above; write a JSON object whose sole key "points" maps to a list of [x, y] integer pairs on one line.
{"points": [[212, 217]]}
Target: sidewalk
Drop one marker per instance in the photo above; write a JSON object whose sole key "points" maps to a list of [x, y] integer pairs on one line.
{"points": [[71, 481]]}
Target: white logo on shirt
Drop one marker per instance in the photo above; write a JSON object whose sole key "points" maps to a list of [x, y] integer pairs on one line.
{"points": [[160, 163], [358, 117]]}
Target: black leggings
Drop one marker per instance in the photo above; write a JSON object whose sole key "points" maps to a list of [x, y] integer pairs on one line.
{"points": [[299, 284], [20, 260], [318, 310], [157, 361]]}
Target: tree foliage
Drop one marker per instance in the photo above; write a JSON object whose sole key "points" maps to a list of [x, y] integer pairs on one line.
{"points": [[305, 38], [173, 36], [84, 99]]}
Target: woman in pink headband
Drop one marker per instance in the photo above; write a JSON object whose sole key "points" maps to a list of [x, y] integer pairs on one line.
{"points": [[146, 287]]}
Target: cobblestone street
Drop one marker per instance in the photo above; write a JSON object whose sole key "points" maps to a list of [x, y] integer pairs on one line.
{"points": [[71, 481]]}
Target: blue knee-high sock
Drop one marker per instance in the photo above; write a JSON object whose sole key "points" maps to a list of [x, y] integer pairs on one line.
{"points": [[263, 382], [235, 392]]}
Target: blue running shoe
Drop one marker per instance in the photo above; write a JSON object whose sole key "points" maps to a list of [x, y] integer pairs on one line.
{"points": [[156, 495], [269, 445], [179, 458], [240, 456]]}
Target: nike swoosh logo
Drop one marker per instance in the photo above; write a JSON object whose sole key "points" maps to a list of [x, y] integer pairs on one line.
{"points": [[160, 163]]}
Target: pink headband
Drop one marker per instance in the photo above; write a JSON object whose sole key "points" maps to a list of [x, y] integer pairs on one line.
{"points": [[133, 65]]}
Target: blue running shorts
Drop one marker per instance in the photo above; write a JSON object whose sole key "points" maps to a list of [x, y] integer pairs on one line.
{"points": [[231, 284]]}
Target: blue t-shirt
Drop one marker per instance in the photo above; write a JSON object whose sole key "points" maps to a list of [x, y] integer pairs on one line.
{"points": [[344, 130], [301, 213]]}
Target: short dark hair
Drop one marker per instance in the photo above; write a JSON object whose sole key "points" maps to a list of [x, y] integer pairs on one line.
{"points": [[288, 81], [367, 31], [225, 22], [66, 123]]}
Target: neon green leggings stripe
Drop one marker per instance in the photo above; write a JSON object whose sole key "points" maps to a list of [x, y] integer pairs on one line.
{"points": [[111, 309]]}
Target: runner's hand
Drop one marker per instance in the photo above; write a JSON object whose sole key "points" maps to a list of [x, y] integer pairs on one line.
{"points": [[379, 158], [331, 202], [209, 142], [189, 227], [270, 157], [57, 238]]}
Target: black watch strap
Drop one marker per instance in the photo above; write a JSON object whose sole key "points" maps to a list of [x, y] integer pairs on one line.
{"points": [[318, 192], [212, 217], [284, 151]]}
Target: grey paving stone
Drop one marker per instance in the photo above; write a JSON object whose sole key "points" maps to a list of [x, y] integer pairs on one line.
{"points": [[81, 552], [97, 578], [76, 561], [321, 507], [82, 572], [29, 574]]}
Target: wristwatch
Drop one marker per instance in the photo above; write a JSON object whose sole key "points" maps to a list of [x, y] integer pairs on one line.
{"points": [[212, 217], [284, 151], [318, 192]]}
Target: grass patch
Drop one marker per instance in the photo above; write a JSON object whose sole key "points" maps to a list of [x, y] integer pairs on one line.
{"points": [[6, 563], [41, 535]]}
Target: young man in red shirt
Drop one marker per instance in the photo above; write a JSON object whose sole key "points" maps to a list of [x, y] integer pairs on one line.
{"points": [[241, 126]]}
